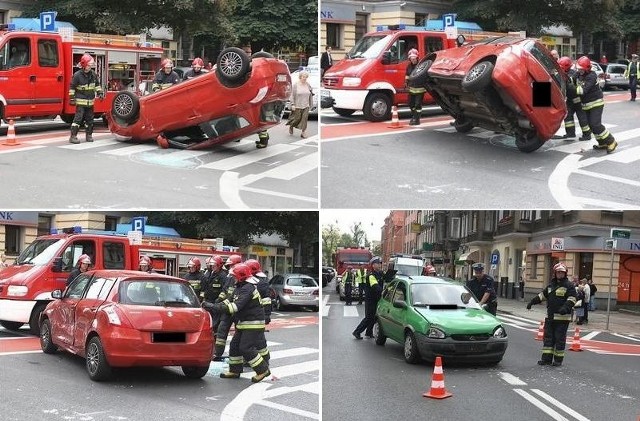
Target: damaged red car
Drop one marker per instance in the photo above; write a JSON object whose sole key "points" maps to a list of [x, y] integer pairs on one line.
{"points": [[505, 84], [243, 96], [119, 318]]}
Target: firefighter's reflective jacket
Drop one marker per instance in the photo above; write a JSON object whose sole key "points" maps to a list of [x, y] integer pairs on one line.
{"points": [[195, 280], [262, 285], [244, 306], [164, 80], [84, 88], [559, 294], [212, 284]]}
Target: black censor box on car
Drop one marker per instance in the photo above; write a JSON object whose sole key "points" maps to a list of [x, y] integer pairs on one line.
{"points": [[541, 92]]}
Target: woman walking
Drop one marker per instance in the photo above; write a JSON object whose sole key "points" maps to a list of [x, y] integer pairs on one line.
{"points": [[300, 102]]}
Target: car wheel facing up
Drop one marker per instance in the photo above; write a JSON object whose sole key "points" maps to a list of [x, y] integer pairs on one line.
{"points": [[232, 66], [478, 77], [125, 106]]}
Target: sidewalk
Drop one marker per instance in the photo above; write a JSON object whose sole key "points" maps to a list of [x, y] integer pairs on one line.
{"points": [[622, 322]]}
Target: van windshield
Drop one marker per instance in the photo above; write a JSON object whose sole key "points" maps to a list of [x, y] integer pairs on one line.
{"points": [[40, 252], [408, 270], [369, 46]]}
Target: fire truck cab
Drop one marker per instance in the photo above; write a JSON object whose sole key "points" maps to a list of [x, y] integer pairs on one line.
{"points": [[36, 70], [45, 265], [371, 78]]}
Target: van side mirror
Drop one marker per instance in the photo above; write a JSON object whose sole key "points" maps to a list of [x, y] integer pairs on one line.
{"points": [[460, 40], [57, 265], [386, 57]]}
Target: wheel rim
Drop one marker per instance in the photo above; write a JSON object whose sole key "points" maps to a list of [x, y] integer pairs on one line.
{"points": [[408, 346], [93, 358], [45, 335], [423, 66], [230, 63], [122, 105], [376, 330], [475, 72], [379, 108]]}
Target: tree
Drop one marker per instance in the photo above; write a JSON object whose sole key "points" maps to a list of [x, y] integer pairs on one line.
{"points": [[358, 234], [330, 240]]}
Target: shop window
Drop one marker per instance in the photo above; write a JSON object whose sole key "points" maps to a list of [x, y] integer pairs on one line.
{"points": [[44, 224], [585, 265], [334, 35]]}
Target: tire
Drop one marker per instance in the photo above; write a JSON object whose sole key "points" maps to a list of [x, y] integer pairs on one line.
{"points": [[420, 74], [11, 325], [528, 141], [278, 304], [462, 126], [316, 309], [232, 66], [378, 334], [126, 106], [343, 112], [97, 366], [67, 118], [261, 54], [411, 353], [377, 107], [34, 320], [195, 372], [478, 77], [46, 342]]}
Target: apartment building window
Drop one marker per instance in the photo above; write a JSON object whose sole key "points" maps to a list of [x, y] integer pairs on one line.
{"points": [[12, 239], [534, 266], [110, 223], [525, 215], [44, 224], [455, 228], [334, 35], [488, 221], [537, 215], [361, 25]]}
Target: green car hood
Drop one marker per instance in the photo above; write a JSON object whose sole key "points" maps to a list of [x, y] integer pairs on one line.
{"points": [[460, 321]]}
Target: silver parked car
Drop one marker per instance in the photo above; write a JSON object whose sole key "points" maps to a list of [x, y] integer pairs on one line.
{"points": [[294, 289], [614, 76]]}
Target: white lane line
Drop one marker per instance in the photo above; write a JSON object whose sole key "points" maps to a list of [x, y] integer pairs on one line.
{"points": [[515, 318], [601, 204], [230, 190], [350, 311], [325, 307], [280, 194], [248, 158], [631, 338], [292, 352], [511, 379], [290, 409], [560, 405], [291, 169], [591, 335], [20, 352], [544, 408], [128, 150], [97, 143], [608, 177], [186, 154]]}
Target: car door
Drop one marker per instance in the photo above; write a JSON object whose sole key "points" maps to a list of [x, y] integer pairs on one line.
{"points": [[63, 322], [397, 316], [384, 311], [87, 308], [396, 69]]}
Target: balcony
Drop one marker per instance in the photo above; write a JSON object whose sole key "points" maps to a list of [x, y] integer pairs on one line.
{"points": [[483, 236]]}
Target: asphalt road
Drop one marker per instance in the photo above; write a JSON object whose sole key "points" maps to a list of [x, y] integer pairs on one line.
{"points": [[409, 166], [37, 386], [363, 381], [45, 171]]}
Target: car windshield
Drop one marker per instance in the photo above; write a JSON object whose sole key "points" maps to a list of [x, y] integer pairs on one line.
{"points": [[40, 252], [302, 282], [408, 270], [546, 60], [157, 292], [442, 296], [369, 46], [354, 257]]}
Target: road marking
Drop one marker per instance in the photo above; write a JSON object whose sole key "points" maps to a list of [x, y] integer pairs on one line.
{"points": [[350, 311], [291, 169], [544, 408], [229, 185], [19, 149], [97, 143], [292, 352], [608, 177], [631, 338], [248, 158], [511, 379], [128, 150], [290, 409], [280, 194], [560, 405]]}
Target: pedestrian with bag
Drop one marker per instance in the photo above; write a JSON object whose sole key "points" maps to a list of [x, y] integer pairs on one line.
{"points": [[560, 296], [301, 99]]}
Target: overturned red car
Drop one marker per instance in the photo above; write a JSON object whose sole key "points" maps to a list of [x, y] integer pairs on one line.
{"points": [[243, 96], [119, 318], [505, 84]]}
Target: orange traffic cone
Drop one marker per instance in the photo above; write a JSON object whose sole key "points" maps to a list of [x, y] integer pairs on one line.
{"points": [[540, 334], [575, 345], [437, 383], [395, 121], [11, 135]]}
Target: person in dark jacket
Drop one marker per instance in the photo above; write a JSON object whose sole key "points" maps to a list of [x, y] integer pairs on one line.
{"points": [[259, 279], [326, 61], [166, 77], [248, 314], [373, 291], [84, 261], [84, 89], [482, 286], [560, 296], [214, 279], [574, 106], [224, 325], [416, 92], [593, 104], [194, 275]]}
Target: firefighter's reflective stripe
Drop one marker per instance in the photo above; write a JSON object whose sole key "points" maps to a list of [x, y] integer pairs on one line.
{"points": [[265, 301], [84, 102], [593, 104], [414, 91], [562, 317], [547, 350], [254, 362], [250, 324]]}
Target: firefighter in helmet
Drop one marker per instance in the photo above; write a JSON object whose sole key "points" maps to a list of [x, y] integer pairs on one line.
{"points": [[214, 278], [429, 270], [416, 92], [194, 275], [248, 314], [259, 279], [560, 296], [197, 69], [165, 77], [574, 105], [593, 104], [82, 265], [225, 319], [144, 265], [84, 89]]}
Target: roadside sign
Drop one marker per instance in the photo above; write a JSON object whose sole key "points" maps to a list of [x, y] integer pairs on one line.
{"points": [[448, 19], [610, 244], [47, 21], [135, 237], [495, 259], [451, 32], [620, 233], [137, 224], [557, 243]]}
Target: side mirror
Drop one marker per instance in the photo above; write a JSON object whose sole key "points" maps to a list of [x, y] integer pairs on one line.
{"points": [[386, 57], [460, 40], [400, 304], [57, 294], [57, 265]]}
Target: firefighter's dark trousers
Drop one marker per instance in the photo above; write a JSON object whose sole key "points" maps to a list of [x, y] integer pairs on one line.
{"points": [[554, 340], [244, 347], [221, 334]]}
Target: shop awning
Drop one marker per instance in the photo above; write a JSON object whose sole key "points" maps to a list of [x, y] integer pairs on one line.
{"points": [[470, 256]]}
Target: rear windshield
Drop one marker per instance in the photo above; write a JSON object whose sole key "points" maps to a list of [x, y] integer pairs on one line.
{"points": [[158, 293], [302, 282], [616, 69]]}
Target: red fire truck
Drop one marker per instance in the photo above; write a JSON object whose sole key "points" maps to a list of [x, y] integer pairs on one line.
{"points": [[372, 76], [45, 265], [36, 70], [354, 257]]}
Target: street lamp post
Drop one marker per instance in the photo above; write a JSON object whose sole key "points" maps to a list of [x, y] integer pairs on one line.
{"points": [[611, 243]]}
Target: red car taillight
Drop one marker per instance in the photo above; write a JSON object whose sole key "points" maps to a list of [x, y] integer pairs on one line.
{"points": [[316, 292], [287, 291]]}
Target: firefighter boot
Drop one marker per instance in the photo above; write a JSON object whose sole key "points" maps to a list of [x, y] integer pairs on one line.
{"points": [[601, 144], [263, 140], [546, 359], [414, 118], [74, 134], [259, 377], [570, 134], [557, 361], [585, 136], [229, 375], [612, 144], [89, 133]]}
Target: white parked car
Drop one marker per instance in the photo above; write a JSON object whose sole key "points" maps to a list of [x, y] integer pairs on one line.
{"points": [[595, 67]]}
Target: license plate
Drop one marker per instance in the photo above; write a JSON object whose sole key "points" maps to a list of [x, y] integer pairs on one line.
{"points": [[325, 93]]}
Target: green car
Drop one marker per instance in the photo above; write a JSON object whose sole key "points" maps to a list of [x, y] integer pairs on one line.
{"points": [[438, 317]]}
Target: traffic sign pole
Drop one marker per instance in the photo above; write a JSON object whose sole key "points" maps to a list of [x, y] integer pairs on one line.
{"points": [[613, 246]]}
